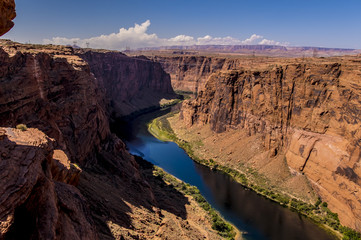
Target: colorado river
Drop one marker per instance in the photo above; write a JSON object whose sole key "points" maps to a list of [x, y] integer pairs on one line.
{"points": [[258, 217]]}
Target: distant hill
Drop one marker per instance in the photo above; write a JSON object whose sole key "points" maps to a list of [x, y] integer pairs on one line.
{"points": [[268, 50]]}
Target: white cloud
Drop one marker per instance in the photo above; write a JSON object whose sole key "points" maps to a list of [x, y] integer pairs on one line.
{"points": [[252, 39], [182, 39], [137, 37], [272, 42]]}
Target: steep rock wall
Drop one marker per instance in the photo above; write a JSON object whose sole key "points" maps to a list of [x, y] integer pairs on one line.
{"points": [[55, 93], [7, 10], [190, 73], [131, 83], [51, 88], [308, 113], [34, 203]]}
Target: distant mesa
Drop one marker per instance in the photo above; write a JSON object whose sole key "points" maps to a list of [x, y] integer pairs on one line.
{"points": [[7, 9], [264, 50]]}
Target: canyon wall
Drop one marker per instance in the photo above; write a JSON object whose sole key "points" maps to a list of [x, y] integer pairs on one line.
{"points": [[131, 83], [190, 73], [74, 178], [38, 198], [7, 9], [307, 114], [55, 93]]}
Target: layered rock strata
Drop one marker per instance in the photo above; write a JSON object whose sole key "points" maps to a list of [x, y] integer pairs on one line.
{"points": [[131, 83], [34, 203], [54, 92], [190, 73], [307, 114], [53, 89]]}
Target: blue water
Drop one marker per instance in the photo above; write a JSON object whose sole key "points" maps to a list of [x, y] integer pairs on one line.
{"points": [[260, 218]]}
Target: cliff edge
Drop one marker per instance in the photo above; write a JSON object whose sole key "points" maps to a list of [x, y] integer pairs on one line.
{"points": [[65, 175], [304, 115]]}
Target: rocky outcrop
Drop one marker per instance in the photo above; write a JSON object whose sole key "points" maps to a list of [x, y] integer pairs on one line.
{"points": [[7, 9], [55, 93], [131, 83], [78, 181], [190, 73], [35, 205], [307, 114]]}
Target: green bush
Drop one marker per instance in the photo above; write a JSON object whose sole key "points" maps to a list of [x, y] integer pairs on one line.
{"points": [[349, 234], [317, 204], [22, 127]]}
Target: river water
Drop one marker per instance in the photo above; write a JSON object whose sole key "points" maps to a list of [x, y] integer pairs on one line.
{"points": [[255, 215]]}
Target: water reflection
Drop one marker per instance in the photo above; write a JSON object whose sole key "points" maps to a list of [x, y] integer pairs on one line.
{"points": [[271, 219]]}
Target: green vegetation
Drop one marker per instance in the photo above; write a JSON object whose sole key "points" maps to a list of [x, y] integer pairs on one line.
{"points": [[167, 103], [318, 212], [349, 234], [75, 165], [185, 94], [22, 127], [223, 228]]}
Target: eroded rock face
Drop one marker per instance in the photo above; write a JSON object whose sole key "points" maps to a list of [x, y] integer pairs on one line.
{"points": [[131, 83], [190, 73], [307, 112], [46, 195], [7, 9], [55, 93], [34, 205]]}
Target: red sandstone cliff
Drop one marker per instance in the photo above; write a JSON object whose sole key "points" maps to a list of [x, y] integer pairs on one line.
{"points": [[54, 90], [54, 93], [7, 10], [305, 113], [131, 83], [36, 201], [190, 73]]}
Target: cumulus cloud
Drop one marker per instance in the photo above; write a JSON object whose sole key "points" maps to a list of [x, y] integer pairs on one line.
{"points": [[138, 37], [252, 39]]}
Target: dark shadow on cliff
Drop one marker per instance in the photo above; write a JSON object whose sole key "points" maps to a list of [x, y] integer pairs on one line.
{"points": [[131, 83], [25, 213], [126, 128], [124, 193], [33, 202]]}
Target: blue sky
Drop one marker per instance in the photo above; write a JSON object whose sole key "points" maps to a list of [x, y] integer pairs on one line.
{"points": [[296, 23]]}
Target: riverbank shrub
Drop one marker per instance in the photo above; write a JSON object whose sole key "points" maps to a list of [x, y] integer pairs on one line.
{"points": [[223, 228]]}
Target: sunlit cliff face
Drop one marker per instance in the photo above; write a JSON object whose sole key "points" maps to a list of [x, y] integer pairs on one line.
{"points": [[7, 9]]}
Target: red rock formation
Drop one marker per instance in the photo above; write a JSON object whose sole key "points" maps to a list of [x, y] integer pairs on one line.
{"points": [[131, 83], [190, 73], [56, 94], [34, 205], [7, 10], [308, 113], [51, 88]]}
